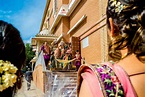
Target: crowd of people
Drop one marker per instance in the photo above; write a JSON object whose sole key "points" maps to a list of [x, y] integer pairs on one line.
{"points": [[61, 56]]}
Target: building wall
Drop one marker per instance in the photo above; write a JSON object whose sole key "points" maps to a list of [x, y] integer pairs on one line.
{"points": [[89, 8], [58, 29], [94, 10], [65, 28], [51, 12], [92, 53], [93, 27], [62, 28], [65, 1]]}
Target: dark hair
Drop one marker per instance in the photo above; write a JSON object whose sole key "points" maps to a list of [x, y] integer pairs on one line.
{"points": [[12, 49], [129, 22], [77, 50]]}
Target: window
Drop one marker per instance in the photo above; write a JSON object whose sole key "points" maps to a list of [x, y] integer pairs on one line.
{"points": [[85, 42]]}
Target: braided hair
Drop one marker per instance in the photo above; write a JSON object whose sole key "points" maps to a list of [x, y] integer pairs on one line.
{"points": [[129, 23]]}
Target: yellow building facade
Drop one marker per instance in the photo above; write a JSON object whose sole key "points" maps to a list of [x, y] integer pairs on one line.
{"points": [[79, 22]]}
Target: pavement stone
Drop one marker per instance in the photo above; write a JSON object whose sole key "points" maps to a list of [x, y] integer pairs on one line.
{"points": [[33, 92]]}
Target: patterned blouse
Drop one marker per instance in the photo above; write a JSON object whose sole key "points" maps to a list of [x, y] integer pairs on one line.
{"points": [[109, 81], [105, 80]]}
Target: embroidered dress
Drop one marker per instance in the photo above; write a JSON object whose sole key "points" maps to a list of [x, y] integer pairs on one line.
{"points": [[105, 80], [110, 82]]}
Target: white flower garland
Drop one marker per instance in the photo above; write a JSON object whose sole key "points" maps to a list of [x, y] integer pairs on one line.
{"points": [[7, 75]]}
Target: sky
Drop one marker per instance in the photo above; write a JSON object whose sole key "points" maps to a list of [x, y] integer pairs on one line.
{"points": [[25, 15]]}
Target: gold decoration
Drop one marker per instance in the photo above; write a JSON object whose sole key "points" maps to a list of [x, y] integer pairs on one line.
{"points": [[118, 6], [8, 76], [65, 62]]}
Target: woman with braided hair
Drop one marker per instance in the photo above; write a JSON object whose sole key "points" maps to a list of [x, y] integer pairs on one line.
{"points": [[124, 75], [12, 58]]}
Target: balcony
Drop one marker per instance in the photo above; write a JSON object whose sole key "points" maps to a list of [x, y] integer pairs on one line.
{"points": [[65, 10]]}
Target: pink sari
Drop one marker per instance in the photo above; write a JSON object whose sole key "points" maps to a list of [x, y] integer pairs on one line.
{"points": [[88, 74]]}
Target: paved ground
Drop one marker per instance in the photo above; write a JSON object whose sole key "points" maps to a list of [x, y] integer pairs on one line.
{"points": [[33, 92]]}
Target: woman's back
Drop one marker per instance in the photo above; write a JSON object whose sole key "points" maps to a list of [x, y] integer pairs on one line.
{"points": [[131, 76], [136, 72]]}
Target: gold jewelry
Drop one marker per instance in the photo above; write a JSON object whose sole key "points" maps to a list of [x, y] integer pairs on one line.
{"points": [[123, 56]]}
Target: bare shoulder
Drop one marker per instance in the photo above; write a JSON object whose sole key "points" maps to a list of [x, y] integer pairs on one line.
{"points": [[85, 90], [136, 72]]}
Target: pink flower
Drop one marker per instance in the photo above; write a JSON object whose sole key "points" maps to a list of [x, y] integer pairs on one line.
{"points": [[114, 79]]}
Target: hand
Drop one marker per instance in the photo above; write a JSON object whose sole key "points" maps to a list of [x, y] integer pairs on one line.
{"points": [[75, 58]]}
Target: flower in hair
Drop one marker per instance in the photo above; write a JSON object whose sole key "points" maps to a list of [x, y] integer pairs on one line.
{"points": [[117, 5], [7, 75]]}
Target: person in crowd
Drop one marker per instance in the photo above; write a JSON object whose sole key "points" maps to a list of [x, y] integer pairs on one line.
{"points": [[52, 61], [62, 48], [124, 77], [77, 60], [57, 55], [65, 65], [69, 50], [46, 52], [68, 64], [12, 59], [62, 51], [57, 52], [28, 77]]}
